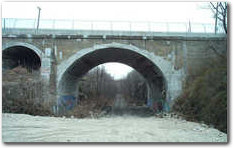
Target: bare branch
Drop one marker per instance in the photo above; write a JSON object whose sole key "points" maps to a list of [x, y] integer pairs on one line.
{"points": [[221, 6], [212, 5], [220, 18], [220, 11]]}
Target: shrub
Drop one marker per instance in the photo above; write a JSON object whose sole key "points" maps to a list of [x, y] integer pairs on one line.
{"points": [[205, 98]]}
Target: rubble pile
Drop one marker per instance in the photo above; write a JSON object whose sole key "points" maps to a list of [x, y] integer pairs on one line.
{"points": [[90, 107]]}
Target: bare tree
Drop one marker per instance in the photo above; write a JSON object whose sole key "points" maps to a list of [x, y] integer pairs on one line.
{"points": [[97, 83], [220, 14], [134, 88]]}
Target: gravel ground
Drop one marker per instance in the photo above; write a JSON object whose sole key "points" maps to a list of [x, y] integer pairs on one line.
{"points": [[26, 128]]}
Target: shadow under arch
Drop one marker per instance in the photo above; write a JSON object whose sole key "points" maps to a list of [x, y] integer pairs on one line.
{"points": [[20, 53], [152, 68]]}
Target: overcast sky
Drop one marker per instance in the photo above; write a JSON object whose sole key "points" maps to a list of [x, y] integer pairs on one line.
{"points": [[112, 11], [124, 11]]}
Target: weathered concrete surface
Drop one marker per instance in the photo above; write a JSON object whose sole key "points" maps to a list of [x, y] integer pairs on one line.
{"points": [[26, 128]]}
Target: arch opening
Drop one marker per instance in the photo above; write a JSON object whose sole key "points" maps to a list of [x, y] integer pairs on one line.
{"points": [[156, 82], [101, 81], [15, 56], [103, 89]]}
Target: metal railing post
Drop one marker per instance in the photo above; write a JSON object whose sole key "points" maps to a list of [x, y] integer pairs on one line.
{"points": [[167, 27], [73, 23], [14, 23], [204, 28], [111, 27], [4, 25], [53, 24], [149, 27], [130, 27], [92, 26]]}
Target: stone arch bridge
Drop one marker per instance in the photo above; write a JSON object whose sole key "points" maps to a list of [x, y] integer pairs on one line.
{"points": [[163, 59]]}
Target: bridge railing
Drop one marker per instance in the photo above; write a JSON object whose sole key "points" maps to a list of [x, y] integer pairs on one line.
{"points": [[11, 23]]}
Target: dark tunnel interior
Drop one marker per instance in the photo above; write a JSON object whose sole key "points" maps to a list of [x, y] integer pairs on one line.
{"points": [[20, 56]]}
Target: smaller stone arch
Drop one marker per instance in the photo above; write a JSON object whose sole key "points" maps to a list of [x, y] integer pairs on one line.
{"points": [[14, 52], [23, 44]]}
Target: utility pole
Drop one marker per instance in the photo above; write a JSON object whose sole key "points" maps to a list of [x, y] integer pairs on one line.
{"points": [[38, 18]]}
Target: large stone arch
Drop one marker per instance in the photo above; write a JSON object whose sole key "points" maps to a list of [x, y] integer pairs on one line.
{"points": [[145, 62]]}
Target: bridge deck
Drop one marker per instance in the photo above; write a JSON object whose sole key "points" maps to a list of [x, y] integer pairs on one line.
{"points": [[73, 34]]}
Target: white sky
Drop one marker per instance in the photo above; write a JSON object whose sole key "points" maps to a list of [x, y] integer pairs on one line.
{"points": [[124, 11], [112, 11], [117, 70]]}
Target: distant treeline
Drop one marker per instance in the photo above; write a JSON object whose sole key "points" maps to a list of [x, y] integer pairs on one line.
{"points": [[98, 83]]}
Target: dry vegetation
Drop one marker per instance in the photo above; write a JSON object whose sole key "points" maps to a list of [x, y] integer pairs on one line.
{"points": [[89, 107], [205, 97], [24, 92]]}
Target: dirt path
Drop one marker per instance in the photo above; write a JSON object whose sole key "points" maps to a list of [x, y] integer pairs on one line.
{"points": [[26, 128]]}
